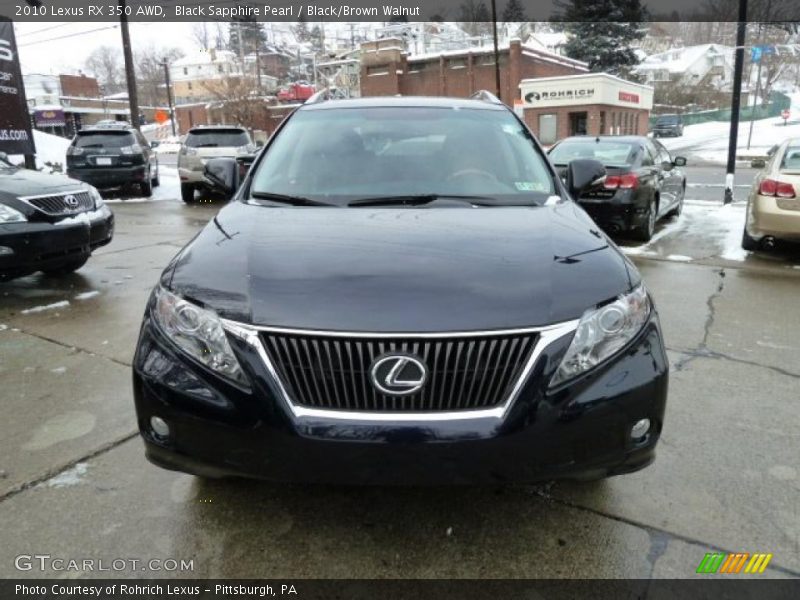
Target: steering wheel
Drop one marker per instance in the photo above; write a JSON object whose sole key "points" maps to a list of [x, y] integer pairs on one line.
{"points": [[473, 172]]}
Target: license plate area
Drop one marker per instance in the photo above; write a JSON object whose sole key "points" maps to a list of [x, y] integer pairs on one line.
{"points": [[103, 161]]}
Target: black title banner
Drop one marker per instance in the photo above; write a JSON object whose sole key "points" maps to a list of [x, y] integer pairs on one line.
{"points": [[15, 124], [384, 11]]}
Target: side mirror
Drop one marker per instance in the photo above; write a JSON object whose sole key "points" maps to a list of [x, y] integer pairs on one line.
{"points": [[758, 163], [666, 165], [222, 175], [679, 161], [582, 173], [155, 144], [772, 150]]}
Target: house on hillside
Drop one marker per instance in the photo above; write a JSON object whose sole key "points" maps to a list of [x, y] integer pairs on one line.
{"points": [[707, 63]]}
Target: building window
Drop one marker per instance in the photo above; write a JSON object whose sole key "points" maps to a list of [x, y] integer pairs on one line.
{"points": [[602, 122], [548, 128], [220, 69], [189, 84], [636, 124], [185, 70], [457, 63]]}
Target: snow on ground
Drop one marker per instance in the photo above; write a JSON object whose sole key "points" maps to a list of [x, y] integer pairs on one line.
{"points": [[720, 224], [87, 295], [50, 149], [170, 145], [708, 142], [44, 307], [69, 477]]}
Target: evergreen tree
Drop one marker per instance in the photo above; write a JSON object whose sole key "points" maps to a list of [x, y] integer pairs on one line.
{"points": [[602, 33], [514, 12], [245, 36]]}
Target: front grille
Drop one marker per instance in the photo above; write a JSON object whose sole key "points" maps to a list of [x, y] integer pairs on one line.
{"points": [[59, 205], [464, 372]]}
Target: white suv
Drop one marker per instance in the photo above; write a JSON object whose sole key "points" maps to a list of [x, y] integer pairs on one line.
{"points": [[206, 142]]}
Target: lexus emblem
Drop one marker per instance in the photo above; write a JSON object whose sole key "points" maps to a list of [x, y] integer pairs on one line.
{"points": [[398, 374], [71, 201]]}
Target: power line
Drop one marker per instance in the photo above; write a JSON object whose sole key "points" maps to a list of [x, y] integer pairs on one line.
{"points": [[69, 35], [44, 29]]}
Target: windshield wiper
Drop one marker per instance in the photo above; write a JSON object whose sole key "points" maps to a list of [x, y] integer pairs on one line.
{"points": [[284, 199], [421, 199]]}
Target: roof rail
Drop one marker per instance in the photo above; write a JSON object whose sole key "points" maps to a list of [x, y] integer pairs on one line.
{"points": [[485, 96], [320, 96]]}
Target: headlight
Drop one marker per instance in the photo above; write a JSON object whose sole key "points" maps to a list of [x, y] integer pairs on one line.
{"points": [[602, 332], [198, 332], [98, 199], [11, 215]]}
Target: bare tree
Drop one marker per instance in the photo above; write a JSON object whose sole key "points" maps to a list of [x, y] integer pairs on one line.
{"points": [[239, 99], [201, 35], [105, 63], [150, 73]]}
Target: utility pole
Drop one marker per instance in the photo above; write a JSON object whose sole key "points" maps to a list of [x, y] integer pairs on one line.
{"points": [[169, 96], [130, 73], [496, 50], [741, 30], [760, 53]]}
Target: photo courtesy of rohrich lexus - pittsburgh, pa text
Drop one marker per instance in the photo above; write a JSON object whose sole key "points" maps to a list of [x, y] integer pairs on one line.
{"points": [[492, 298]]}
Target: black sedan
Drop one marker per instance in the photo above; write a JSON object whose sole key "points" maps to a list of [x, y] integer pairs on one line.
{"points": [[643, 183], [48, 223], [401, 291]]}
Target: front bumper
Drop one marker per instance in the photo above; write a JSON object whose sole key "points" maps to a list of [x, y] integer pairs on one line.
{"points": [[37, 246], [578, 431], [109, 177]]}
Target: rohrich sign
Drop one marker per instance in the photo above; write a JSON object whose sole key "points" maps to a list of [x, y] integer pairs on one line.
{"points": [[592, 88], [15, 122]]}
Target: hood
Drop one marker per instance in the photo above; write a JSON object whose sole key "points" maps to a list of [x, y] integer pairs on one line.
{"points": [[25, 182], [400, 270]]}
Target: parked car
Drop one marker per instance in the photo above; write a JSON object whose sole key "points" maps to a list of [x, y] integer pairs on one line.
{"points": [[401, 291], [48, 223], [668, 125], [202, 143], [773, 207], [643, 184], [113, 156]]}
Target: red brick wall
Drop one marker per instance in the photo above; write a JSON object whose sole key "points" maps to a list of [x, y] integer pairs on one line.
{"points": [[593, 119], [79, 85], [437, 77]]}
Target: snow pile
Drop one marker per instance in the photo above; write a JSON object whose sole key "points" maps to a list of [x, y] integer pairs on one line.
{"points": [[51, 152], [708, 142]]}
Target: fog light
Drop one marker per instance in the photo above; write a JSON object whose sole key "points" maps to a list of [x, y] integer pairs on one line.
{"points": [[159, 427], [6, 251], [640, 429]]}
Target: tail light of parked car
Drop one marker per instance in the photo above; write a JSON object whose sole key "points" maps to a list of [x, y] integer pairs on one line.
{"points": [[626, 181], [781, 189], [133, 149], [74, 151]]}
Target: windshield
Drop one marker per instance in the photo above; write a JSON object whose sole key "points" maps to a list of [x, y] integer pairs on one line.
{"points": [[671, 120], [610, 153], [345, 154], [217, 138], [109, 139]]}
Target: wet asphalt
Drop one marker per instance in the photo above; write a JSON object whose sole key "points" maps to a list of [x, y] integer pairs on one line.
{"points": [[74, 482]]}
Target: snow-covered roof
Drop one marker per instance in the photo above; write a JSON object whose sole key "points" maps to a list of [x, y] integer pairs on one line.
{"points": [[548, 40], [528, 49], [679, 60], [205, 57]]}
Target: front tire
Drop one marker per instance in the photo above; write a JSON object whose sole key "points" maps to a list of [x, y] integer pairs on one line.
{"points": [[66, 268], [645, 232], [187, 193]]}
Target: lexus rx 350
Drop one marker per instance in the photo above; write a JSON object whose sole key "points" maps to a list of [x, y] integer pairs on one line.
{"points": [[401, 291]]}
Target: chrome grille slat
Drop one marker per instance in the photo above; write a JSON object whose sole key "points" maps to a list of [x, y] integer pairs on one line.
{"points": [[55, 205], [464, 372]]}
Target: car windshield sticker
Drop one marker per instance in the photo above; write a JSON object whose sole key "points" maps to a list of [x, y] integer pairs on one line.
{"points": [[529, 186]]}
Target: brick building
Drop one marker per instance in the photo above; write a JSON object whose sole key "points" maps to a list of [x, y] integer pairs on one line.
{"points": [[387, 70], [585, 104], [79, 86]]}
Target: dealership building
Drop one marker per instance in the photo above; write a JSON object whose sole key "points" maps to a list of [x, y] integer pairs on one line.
{"points": [[584, 104]]}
